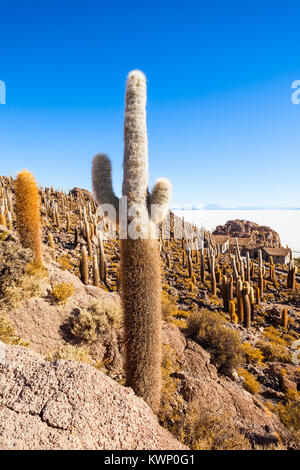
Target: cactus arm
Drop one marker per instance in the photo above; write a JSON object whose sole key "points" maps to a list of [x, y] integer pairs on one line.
{"points": [[161, 197], [102, 183]]}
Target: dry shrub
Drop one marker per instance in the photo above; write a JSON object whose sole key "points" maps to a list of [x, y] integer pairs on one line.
{"points": [[65, 262], [167, 307], [70, 353], [24, 288], [289, 411], [273, 351], [204, 429], [170, 411], [98, 318], [274, 336], [7, 333], [253, 355], [249, 381], [223, 344], [62, 291], [20, 277]]}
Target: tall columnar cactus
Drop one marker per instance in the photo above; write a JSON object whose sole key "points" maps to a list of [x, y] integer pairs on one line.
{"points": [[213, 275], [234, 268], [28, 214], [284, 318], [140, 261], [96, 276], [84, 268], [291, 277], [247, 305], [261, 283], [239, 297], [272, 272], [257, 295], [202, 266], [225, 294], [252, 303], [190, 265], [248, 269]]}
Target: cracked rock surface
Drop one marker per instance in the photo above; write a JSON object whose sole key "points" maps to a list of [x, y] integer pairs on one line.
{"points": [[69, 405]]}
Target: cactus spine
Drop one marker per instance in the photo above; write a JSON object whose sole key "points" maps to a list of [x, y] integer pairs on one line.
{"points": [[140, 261]]}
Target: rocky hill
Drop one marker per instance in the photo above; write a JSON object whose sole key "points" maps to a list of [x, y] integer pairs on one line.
{"points": [[258, 234]]}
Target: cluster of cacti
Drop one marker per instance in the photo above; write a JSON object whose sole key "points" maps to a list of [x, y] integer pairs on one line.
{"points": [[140, 260]]}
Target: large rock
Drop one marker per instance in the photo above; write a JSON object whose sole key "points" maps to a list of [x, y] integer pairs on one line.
{"points": [[82, 193], [68, 405], [258, 235]]}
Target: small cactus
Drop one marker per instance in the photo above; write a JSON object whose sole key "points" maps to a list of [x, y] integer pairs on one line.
{"points": [[284, 318], [233, 316], [51, 245]]}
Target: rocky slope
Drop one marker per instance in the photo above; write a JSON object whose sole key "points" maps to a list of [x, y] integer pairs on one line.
{"points": [[55, 404], [191, 378], [68, 405]]}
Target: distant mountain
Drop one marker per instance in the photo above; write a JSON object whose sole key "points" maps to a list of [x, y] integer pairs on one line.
{"points": [[213, 207], [216, 207]]}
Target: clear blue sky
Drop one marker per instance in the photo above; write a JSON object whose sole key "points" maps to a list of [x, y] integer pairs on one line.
{"points": [[221, 123]]}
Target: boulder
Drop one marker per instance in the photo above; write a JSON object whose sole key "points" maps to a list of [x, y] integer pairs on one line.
{"points": [[70, 405]]}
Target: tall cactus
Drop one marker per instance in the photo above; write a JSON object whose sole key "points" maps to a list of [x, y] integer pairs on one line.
{"points": [[28, 214], [247, 305], [140, 260]]}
